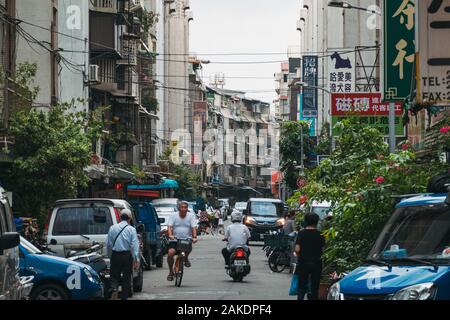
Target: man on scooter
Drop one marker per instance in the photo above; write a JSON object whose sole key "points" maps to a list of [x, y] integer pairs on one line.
{"points": [[237, 234]]}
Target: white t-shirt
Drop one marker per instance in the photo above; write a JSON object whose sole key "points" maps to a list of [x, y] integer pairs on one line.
{"points": [[182, 227], [237, 235]]}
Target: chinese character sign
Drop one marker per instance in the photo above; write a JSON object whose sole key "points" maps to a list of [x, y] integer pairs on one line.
{"points": [[398, 48], [341, 78], [368, 107], [434, 51], [311, 77]]}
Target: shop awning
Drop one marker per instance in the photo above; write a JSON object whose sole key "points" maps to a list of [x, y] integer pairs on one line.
{"points": [[166, 184]]}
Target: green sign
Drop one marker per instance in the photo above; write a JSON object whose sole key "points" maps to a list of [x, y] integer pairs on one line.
{"points": [[379, 122], [399, 48]]}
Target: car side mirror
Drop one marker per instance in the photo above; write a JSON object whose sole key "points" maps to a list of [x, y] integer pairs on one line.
{"points": [[140, 228], [53, 242], [244, 212], [162, 220], [9, 240]]}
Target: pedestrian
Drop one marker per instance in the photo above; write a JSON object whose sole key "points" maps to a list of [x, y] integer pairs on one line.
{"points": [[123, 248], [289, 225], [309, 249]]}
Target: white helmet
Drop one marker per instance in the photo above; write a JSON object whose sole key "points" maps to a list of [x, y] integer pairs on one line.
{"points": [[126, 212], [236, 216]]}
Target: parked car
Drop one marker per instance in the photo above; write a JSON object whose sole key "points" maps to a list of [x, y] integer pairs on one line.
{"points": [[263, 216], [147, 215], [411, 258], [76, 224], [12, 286], [164, 213], [166, 203], [58, 278], [240, 206]]}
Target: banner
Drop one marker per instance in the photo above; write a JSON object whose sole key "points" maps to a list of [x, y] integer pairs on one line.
{"points": [[434, 51], [310, 76], [369, 108], [398, 48]]}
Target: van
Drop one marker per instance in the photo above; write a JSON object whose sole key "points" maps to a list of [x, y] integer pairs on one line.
{"points": [[75, 224], [410, 259], [12, 287], [263, 216]]}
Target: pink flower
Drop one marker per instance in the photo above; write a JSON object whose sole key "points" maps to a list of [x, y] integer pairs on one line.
{"points": [[379, 180], [405, 147], [445, 130]]}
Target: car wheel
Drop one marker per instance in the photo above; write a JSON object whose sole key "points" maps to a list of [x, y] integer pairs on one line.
{"points": [[49, 292], [138, 282]]}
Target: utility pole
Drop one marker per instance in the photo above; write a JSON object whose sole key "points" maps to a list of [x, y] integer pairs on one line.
{"points": [[392, 127]]}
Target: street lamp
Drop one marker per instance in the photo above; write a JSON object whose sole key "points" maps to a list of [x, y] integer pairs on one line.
{"points": [[346, 5]]}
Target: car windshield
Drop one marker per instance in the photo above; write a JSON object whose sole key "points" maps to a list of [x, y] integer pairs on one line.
{"points": [[241, 205], [266, 209], [321, 211], [28, 246], [416, 232], [80, 220], [165, 205]]}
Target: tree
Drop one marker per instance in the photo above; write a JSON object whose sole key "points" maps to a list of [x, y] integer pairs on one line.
{"points": [[359, 179], [51, 149], [290, 149]]}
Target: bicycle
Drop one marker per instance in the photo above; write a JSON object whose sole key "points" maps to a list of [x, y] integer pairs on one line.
{"points": [[184, 246], [278, 250]]}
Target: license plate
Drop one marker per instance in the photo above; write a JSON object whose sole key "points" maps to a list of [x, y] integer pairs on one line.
{"points": [[240, 263], [185, 242]]}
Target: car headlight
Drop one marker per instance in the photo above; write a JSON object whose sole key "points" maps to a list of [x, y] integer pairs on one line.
{"points": [[89, 275], [335, 292], [424, 291], [281, 222], [250, 220]]}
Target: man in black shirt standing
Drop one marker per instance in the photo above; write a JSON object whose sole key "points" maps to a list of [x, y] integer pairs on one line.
{"points": [[309, 249]]}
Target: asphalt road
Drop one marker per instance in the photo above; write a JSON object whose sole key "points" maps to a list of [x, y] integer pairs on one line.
{"points": [[207, 280]]}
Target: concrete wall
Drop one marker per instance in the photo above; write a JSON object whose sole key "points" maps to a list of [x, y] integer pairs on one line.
{"points": [[41, 15], [73, 20]]}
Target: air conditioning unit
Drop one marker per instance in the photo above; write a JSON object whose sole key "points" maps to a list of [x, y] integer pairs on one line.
{"points": [[94, 74]]}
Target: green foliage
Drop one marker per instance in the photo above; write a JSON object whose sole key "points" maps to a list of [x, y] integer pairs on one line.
{"points": [[324, 141], [189, 182], [359, 179], [51, 150], [290, 149]]}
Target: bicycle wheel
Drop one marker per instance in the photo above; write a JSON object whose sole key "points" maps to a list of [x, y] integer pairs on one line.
{"points": [[179, 269], [276, 261]]}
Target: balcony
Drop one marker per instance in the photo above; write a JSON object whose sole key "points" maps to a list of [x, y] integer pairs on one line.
{"points": [[105, 6]]}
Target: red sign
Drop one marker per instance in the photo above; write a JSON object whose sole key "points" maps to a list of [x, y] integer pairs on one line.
{"points": [[361, 104]]}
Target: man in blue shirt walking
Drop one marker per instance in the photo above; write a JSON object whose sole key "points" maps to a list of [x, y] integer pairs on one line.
{"points": [[123, 247]]}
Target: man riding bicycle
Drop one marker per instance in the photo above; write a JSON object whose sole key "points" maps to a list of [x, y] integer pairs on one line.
{"points": [[237, 234], [181, 225]]}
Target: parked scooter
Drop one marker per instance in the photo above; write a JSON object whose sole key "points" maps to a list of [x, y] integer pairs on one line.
{"points": [[239, 264]]}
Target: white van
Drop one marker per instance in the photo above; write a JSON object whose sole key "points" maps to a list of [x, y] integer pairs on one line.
{"points": [[75, 224]]}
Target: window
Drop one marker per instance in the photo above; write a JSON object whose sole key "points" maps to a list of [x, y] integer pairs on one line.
{"points": [[76, 221]]}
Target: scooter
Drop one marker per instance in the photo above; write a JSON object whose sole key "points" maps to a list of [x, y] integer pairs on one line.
{"points": [[239, 264]]}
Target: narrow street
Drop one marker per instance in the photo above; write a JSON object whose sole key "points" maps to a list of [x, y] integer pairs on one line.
{"points": [[207, 280]]}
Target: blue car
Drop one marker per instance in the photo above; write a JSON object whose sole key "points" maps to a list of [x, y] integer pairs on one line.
{"points": [[411, 258], [147, 215], [57, 278]]}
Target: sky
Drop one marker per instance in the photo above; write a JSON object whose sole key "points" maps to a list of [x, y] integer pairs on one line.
{"points": [[244, 26]]}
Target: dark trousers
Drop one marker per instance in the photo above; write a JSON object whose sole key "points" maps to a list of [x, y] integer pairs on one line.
{"points": [[309, 273], [121, 272], [227, 254]]}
